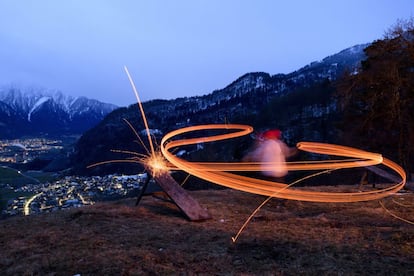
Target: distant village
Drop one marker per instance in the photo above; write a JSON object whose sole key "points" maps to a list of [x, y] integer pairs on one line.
{"points": [[26, 150], [72, 191], [67, 192]]}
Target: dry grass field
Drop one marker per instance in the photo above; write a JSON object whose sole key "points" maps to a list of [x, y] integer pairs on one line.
{"points": [[284, 238]]}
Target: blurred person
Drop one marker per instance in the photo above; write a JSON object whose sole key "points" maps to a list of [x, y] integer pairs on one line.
{"points": [[270, 149]]}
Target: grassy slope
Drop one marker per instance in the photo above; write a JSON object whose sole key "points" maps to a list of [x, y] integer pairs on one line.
{"points": [[286, 237]]}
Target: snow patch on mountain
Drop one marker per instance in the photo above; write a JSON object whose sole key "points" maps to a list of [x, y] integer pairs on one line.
{"points": [[39, 102], [73, 101]]}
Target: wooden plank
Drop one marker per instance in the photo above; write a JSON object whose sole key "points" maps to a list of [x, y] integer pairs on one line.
{"points": [[143, 189], [187, 204]]}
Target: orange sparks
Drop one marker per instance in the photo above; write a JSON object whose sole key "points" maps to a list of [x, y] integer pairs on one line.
{"points": [[156, 164], [153, 160], [144, 118]]}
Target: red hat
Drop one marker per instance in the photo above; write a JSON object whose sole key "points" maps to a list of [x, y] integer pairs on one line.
{"points": [[272, 134]]}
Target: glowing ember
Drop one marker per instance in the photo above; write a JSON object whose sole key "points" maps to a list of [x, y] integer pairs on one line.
{"points": [[156, 164]]}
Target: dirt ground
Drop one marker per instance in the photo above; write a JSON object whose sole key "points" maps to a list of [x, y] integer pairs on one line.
{"points": [[284, 238]]}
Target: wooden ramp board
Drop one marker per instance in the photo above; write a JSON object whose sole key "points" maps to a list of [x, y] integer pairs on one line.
{"points": [[187, 204]]}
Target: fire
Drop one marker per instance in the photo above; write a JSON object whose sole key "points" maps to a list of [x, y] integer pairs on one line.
{"points": [[156, 164]]}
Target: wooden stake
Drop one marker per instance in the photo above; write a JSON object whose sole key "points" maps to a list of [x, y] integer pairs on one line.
{"points": [[186, 203]]}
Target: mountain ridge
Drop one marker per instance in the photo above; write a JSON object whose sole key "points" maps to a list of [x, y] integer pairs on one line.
{"points": [[34, 112], [300, 103]]}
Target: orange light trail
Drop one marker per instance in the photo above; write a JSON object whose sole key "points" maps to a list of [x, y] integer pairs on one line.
{"points": [[220, 173], [144, 118], [162, 160], [153, 159]]}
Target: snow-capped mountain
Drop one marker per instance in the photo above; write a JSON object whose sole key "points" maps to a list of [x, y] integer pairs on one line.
{"points": [[34, 111]]}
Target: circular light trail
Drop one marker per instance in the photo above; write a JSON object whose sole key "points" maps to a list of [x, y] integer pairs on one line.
{"points": [[220, 172]]}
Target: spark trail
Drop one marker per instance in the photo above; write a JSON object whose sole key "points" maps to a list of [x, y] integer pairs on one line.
{"points": [[220, 173], [161, 160]]}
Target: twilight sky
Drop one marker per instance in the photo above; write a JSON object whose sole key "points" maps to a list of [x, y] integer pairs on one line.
{"points": [[176, 48]]}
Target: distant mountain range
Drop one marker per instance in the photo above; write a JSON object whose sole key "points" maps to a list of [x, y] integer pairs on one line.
{"points": [[300, 103], [34, 112]]}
